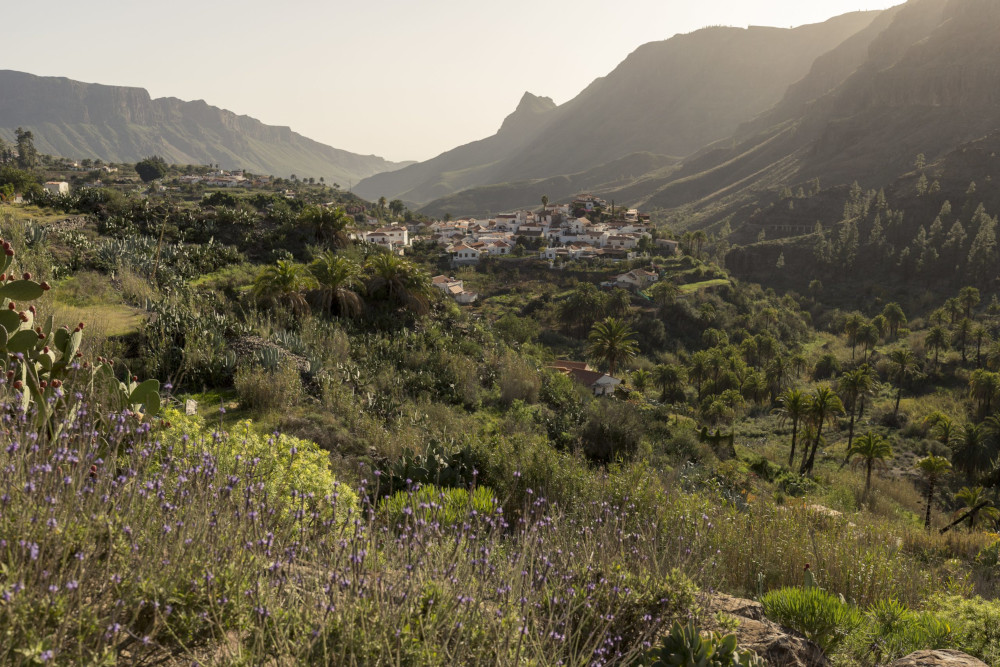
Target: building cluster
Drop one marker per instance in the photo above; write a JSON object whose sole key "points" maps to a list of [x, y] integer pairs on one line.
{"points": [[225, 179], [559, 231], [454, 288]]}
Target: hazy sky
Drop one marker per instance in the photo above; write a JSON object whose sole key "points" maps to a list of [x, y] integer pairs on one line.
{"points": [[405, 79]]}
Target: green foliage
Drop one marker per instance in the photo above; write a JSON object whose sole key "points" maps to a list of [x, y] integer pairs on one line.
{"points": [[436, 467], [447, 507], [151, 168], [295, 470], [822, 617], [685, 646], [976, 623]]}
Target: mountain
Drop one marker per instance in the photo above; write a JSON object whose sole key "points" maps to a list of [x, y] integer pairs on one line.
{"points": [[927, 84], [668, 98], [120, 124]]}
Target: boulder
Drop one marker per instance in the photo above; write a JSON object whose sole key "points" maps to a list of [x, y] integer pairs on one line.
{"points": [[779, 646], [945, 657]]}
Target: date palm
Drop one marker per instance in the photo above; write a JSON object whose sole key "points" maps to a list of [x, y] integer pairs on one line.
{"points": [[984, 387], [870, 450], [794, 405], [932, 468], [612, 343], [894, 317], [971, 498], [903, 366], [668, 378], [283, 284], [641, 379], [329, 225], [854, 386], [825, 406], [338, 280], [937, 340], [400, 281]]}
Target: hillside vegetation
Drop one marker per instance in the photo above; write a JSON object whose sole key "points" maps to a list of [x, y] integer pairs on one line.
{"points": [[376, 475]]}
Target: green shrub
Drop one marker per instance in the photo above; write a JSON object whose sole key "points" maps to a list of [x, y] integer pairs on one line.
{"points": [[686, 647], [262, 390], [612, 431], [823, 618], [976, 621], [891, 630], [446, 507]]}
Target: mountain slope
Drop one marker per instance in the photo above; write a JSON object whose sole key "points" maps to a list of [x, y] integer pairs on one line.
{"points": [[120, 124], [668, 98]]}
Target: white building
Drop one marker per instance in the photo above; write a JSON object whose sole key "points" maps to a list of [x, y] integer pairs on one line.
{"points": [[57, 187]]}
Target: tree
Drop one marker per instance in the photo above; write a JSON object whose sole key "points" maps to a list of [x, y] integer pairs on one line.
{"points": [[974, 498], [894, 317], [980, 334], [698, 370], [825, 406], [903, 366], [545, 201], [699, 239], [151, 168], [337, 281], [937, 340], [381, 206], [328, 224], [400, 281], [27, 155], [933, 468], [668, 378], [612, 343], [984, 387], [283, 285], [971, 450], [961, 335], [871, 449], [852, 325], [396, 207], [641, 379], [968, 298], [853, 386], [794, 405]]}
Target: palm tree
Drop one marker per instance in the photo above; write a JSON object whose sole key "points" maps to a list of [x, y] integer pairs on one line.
{"points": [[968, 298], [953, 308], [641, 379], [401, 281], [894, 317], [932, 468], [963, 331], [698, 370], [825, 406], [337, 280], [328, 224], [853, 386], [794, 405], [668, 378], [984, 387], [852, 325], [973, 497], [283, 285], [612, 342], [980, 334], [937, 340], [903, 365], [973, 449], [871, 449], [381, 207]]}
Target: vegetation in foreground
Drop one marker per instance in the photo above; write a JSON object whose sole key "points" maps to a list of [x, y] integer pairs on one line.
{"points": [[377, 476]]}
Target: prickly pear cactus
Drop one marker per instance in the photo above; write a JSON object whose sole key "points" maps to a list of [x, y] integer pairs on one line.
{"points": [[39, 359]]}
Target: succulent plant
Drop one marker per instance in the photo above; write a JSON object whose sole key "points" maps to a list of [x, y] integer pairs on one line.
{"points": [[686, 647], [40, 359]]}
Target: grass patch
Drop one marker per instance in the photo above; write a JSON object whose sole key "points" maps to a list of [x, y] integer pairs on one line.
{"points": [[691, 288]]}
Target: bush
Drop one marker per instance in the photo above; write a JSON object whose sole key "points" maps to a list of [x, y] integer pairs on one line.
{"points": [[977, 624], [613, 430], [823, 618], [435, 505], [891, 630], [262, 390]]}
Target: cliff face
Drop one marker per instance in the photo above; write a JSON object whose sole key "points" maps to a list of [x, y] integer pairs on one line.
{"points": [[121, 124]]}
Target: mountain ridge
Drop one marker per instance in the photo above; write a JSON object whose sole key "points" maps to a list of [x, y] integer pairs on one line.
{"points": [[125, 124]]}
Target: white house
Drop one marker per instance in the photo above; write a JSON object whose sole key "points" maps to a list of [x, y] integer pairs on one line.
{"points": [[57, 187], [397, 236], [463, 254], [600, 383], [638, 279]]}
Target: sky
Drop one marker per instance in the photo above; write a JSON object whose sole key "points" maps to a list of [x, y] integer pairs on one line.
{"points": [[404, 79]]}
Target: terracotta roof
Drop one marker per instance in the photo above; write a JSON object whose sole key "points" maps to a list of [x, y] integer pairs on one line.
{"points": [[567, 365]]}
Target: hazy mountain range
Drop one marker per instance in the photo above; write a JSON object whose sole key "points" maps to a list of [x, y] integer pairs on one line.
{"points": [[120, 124]]}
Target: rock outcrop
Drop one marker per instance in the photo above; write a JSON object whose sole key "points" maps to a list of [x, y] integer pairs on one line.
{"points": [[779, 646], [939, 658]]}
